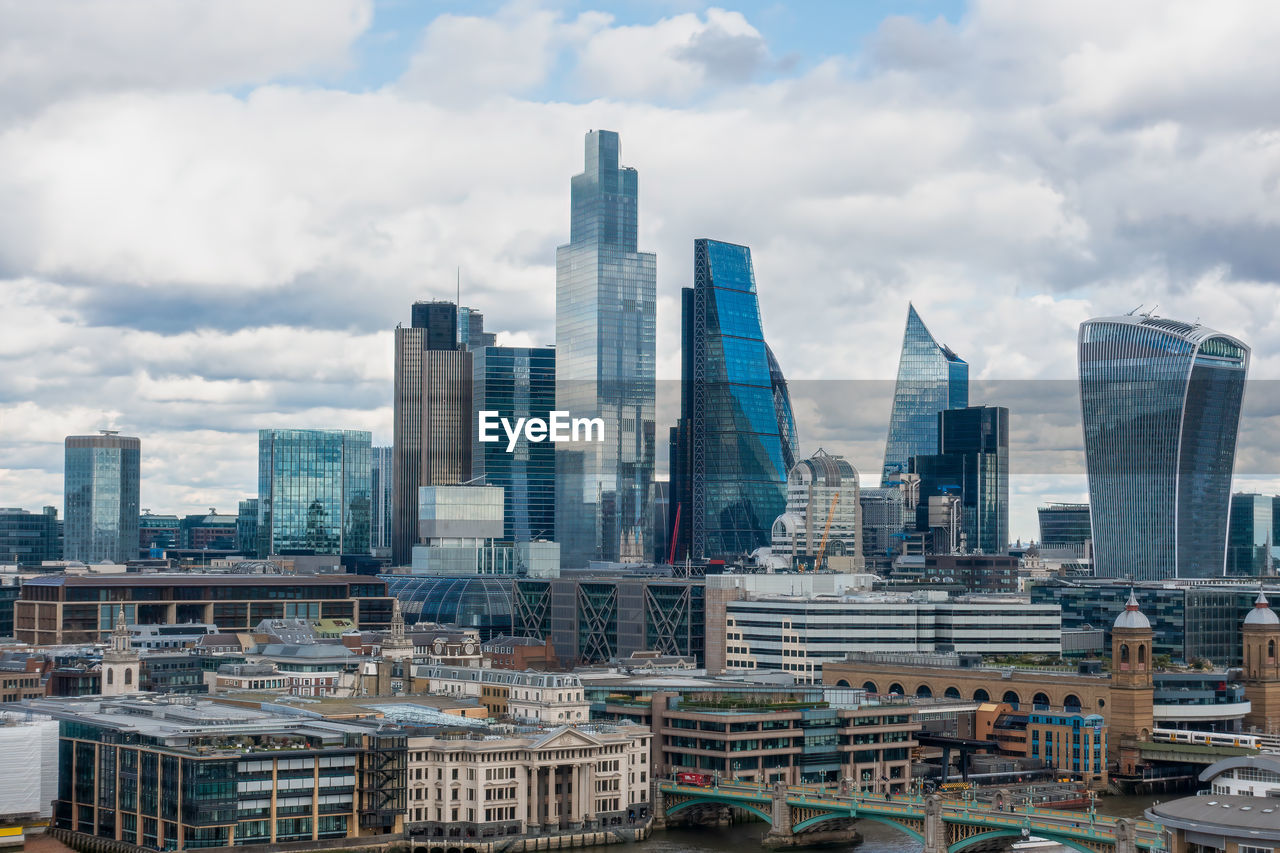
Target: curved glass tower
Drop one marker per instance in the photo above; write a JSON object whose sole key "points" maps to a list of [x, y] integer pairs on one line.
{"points": [[931, 378], [737, 437], [1160, 401]]}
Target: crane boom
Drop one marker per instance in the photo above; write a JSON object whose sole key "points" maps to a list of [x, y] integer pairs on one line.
{"points": [[822, 548]]}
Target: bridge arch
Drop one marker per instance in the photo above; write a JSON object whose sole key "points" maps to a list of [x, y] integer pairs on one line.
{"points": [[822, 818], [1010, 832], [767, 817]]}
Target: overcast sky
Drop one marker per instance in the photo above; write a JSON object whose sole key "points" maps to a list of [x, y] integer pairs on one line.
{"points": [[213, 213]]}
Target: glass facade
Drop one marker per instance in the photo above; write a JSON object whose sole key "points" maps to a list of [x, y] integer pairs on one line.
{"points": [[1249, 535], [380, 474], [313, 491], [247, 527], [931, 379], [973, 463], [737, 438], [469, 602], [29, 538], [1064, 527], [1160, 401], [606, 304], [101, 483], [518, 382]]}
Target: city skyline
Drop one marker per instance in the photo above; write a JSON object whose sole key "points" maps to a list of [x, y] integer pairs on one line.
{"points": [[201, 325]]}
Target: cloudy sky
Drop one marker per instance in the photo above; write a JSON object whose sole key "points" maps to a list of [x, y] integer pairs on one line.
{"points": [[213, 213]]}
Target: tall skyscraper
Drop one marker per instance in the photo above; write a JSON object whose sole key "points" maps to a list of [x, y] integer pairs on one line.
{"points": [[518, 382], [380, 484], [931, 379], [101, 483], [1249, 533], [1160, 401], [433, 416], [972, 463], [471, 333], [606, 298], [313, 491], [737, 436]]}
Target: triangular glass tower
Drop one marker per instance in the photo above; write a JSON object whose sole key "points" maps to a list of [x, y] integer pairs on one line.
{"points": [[931, 378]]}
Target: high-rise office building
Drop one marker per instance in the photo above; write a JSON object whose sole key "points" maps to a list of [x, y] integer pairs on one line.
{"points": [[931, 379], [1160, 401], [972, 463], [102, 479], [518, 382], [823, 521], [606, 299], [884, 518], [247, 527], [471, 333], [313, 491], [433, 416], [30, 538], [1249, 535], [1064, 527], [380, 484], [737, 436]]}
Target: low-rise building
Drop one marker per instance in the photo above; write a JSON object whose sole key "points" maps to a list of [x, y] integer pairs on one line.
{"points": [[1244, 776], [538, 697], [521, 653], [1073, 743], [172, 774], [490, 784]]}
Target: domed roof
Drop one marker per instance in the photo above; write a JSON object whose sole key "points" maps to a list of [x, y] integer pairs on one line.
{"points": [[1131, 616], [1261, 614]]}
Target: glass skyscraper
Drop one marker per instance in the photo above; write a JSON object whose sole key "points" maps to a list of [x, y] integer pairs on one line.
{"points": [[972, 463], [381, 475], [1249, 533], [101, 484], [606, 303], [1160, 401], [931, 378], [313, 491], [736, 440], [1064, 527], [518, 382]]}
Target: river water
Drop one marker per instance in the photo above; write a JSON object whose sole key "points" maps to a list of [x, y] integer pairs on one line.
{"points": [[877, 838]]}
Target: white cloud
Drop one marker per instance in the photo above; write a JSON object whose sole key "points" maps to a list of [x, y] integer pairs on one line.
{"points": [[60, 48]]}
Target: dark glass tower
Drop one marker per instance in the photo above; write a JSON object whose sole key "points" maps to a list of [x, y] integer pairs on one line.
{"points": [[380, 485], [606, 295], [972, 462], [1160, 401], [1249, 539], [433, 416], [1064, 527], [518, 382], [101, 485], [737, 437], [931, 379], [313, 491]]}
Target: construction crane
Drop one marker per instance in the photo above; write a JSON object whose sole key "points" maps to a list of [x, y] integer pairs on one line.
{"points": [[826, 530]]}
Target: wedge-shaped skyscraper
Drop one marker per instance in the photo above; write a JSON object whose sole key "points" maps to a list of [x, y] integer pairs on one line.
{"points": [[736, 440], [931, 378], [1160, 400]]}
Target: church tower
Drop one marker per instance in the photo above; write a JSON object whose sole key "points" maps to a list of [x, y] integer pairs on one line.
{"points": [[1131, 716], [121, 665], [1262, 666]]}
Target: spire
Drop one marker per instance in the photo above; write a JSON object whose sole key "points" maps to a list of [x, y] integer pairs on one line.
{"points": [[120, 639], [397, 622], [1132, 617], [1132, 603]]}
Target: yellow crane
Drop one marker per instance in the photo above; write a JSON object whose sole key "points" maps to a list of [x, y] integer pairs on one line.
{"points": [[826, 530]]}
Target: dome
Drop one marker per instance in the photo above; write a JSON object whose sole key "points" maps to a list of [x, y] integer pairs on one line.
{"points": [[1131, 616], [1261, 614], [480, 602]]}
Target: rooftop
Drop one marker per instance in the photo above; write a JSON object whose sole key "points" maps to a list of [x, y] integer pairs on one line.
{"points": [[1235, 817]]}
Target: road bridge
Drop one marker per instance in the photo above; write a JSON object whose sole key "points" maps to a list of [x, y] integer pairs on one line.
{"points": [[942, 826]]}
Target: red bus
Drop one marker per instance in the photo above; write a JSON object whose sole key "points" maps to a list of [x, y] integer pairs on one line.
{"points": [[700, 779]]}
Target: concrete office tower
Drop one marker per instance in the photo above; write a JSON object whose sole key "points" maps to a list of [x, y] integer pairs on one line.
{"points": [[823, 521], [972, 464], [101, 483], [433, 416], [1160, 401], [313, 491], [606, 297], [517, 382], [931, 379], [380, 484], [737, 436]]}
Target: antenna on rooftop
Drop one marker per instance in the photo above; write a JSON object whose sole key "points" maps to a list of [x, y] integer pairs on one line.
{"points": [[1134, 311]]}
